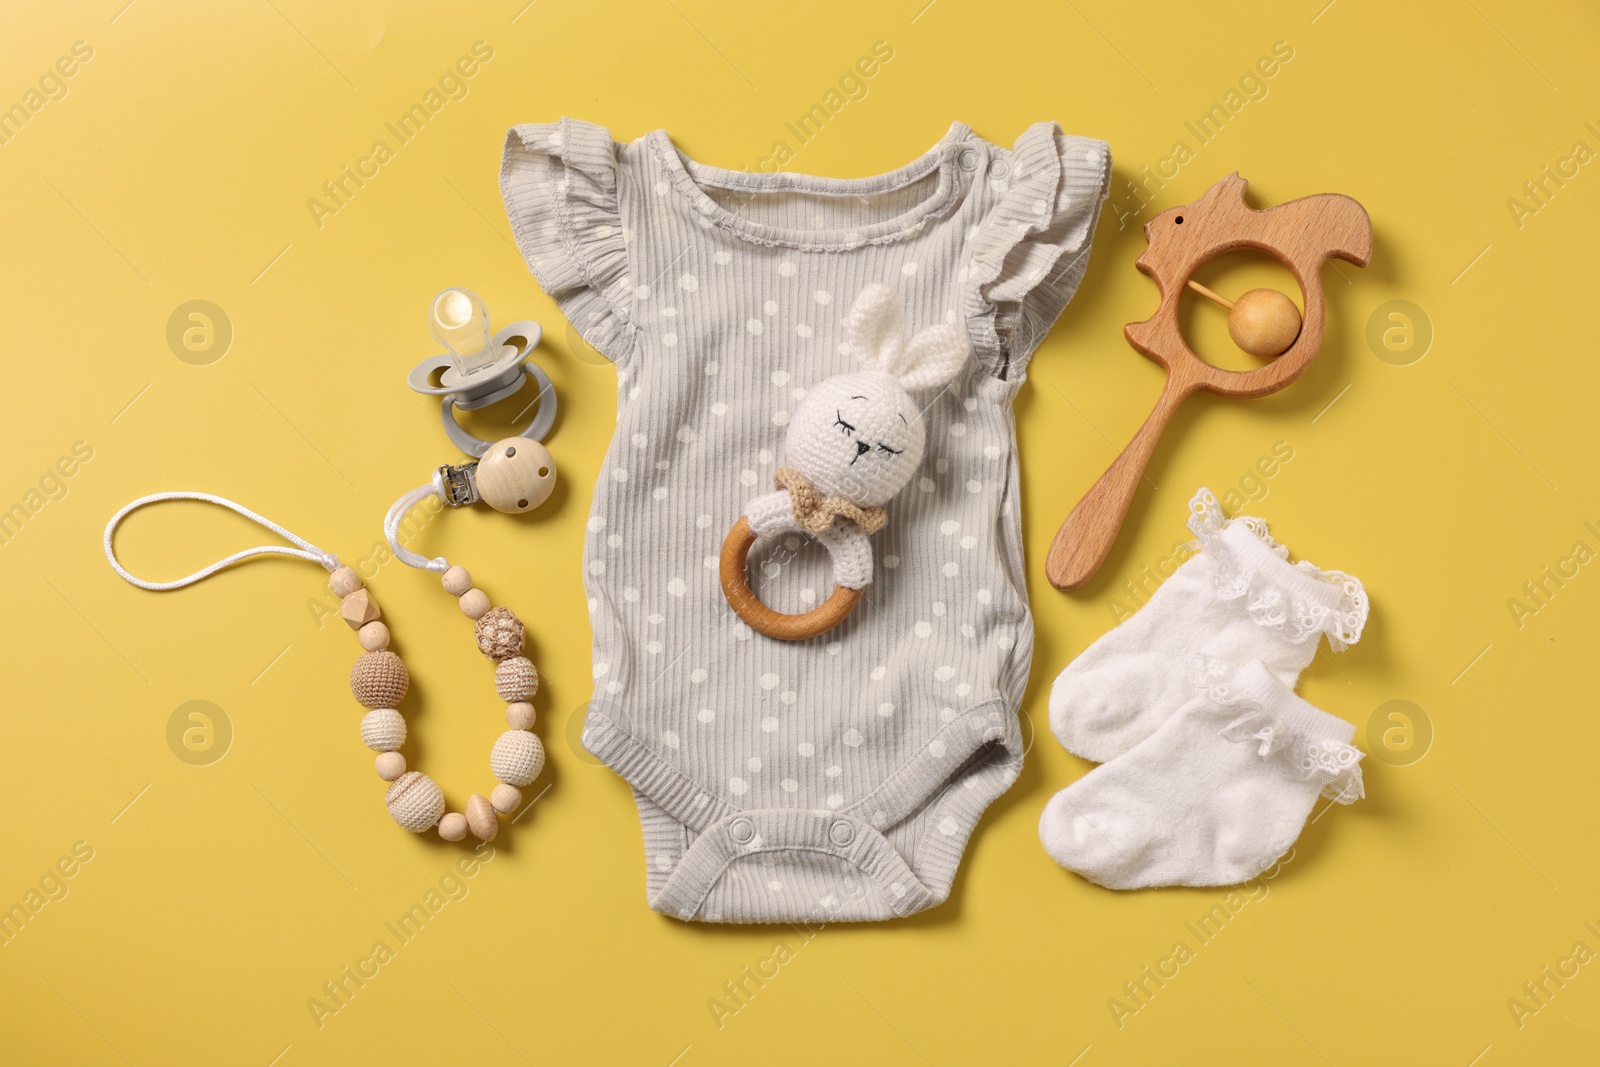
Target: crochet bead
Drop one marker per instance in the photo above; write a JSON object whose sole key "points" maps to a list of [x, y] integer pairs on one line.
{"points": [[519, 715], [383, 729], [358, 609], [453, 827], [481, 818], [390, 765], [505, 798], [474, 602], [456, 581], [379, 679], [344, 582], [517, 757], [415, 801], [374, 636], [516, 679], [499, 633]]}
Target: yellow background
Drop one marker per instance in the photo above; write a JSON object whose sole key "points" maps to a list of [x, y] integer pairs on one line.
{"points": [[221, 897]]}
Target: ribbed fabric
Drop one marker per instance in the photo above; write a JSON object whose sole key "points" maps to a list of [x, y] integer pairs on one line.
{"points": [[837, 778]]}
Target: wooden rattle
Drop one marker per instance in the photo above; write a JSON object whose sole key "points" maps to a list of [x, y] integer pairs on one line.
{"points": [[1302, 234]]}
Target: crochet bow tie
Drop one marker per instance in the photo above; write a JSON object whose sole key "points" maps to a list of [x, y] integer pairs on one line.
{"points": [[814, 512]]}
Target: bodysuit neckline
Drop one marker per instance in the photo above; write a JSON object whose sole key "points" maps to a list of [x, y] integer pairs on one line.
{"points": [[951, 156]]}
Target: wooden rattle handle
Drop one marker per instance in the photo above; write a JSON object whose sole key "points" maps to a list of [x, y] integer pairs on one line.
{"points": [[1087, 534], [762, 619]]}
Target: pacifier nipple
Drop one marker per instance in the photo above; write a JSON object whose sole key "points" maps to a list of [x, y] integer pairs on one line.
{"points": [[459, 320]]}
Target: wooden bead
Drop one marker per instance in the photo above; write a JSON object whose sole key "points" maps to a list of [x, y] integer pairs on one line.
{"points": [[358, 609], [516, 679], [475, 603], [517, 757], [379, 679], [456, 581], [414, 801], [344, 581], [453, 827], [516, 475], [390, 765], [374, 636], [481, 818], [505, 798], [383, 729], [520, 715], [1264, 323], [499, 633]]}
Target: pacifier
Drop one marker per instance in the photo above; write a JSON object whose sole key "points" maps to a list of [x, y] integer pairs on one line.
{"points": [[480, 369], [514, 474]]}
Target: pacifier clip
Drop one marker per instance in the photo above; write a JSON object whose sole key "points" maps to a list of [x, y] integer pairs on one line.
{"points": [[379, 679]]}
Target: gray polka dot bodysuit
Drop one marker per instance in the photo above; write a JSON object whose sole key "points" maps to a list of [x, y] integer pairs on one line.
{"points": [[835, 778]]}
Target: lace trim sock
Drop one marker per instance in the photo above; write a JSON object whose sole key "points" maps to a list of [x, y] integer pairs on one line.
{"points": [[1214, 796], [1238, 598], [1297, 602]]}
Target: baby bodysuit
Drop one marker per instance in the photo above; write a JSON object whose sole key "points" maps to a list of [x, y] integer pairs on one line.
{"points": [[836, 778]]}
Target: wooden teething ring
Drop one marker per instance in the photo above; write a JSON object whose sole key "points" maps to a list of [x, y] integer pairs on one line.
{"points": [[762, 619], [1301, 234]]}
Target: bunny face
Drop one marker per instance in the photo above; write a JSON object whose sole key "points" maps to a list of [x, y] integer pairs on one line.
{"points": [[860, 436], [857, 436]]}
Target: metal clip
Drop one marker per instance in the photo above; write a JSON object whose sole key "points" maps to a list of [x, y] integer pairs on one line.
{"points": [[460, 484]]}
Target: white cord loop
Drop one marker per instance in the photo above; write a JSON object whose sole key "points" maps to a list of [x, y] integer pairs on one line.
{"points": [[397, 513], [307, 551]]}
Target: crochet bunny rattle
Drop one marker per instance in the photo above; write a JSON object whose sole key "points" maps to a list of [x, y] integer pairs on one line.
{"points": [[853, 443]]}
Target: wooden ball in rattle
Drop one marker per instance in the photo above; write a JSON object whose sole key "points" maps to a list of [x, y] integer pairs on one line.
{"points": [[516, 475], [1264, 322]]}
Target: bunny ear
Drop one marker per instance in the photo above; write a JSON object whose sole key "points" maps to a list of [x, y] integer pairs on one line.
{"points": [[933, 357], [876, 328]]}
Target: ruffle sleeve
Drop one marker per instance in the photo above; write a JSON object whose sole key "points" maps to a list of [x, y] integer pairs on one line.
{"points": [[559, 181], [1029, 254]]}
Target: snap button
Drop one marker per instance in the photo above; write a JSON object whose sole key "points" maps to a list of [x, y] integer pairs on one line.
{"points": [[742, 830], [841, 833]]}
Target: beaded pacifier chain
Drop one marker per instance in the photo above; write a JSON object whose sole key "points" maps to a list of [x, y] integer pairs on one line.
{"points": [[515, 475]]}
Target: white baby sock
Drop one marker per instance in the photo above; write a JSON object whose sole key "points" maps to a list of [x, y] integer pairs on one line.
{"points": [[1238, 599], [1214, 796]]}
